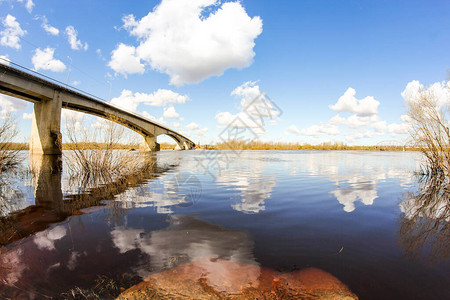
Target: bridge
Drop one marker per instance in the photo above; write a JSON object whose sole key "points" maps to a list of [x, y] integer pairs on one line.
{"points": [[403, 144], [50, 97]]}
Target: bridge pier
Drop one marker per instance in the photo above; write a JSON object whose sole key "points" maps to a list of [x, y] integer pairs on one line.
{"points": [[46, 179], [49, 98], [45, 135], [150, 144], [183, 145]]}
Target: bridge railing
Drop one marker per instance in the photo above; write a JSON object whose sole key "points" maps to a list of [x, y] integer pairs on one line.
{"points": [[15, 66]]}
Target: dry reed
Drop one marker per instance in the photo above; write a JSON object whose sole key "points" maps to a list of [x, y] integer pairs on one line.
{"points": [[259, 145], [94, 157]]}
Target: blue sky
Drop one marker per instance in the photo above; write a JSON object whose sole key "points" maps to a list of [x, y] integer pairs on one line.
{"points": [[336, 69]]}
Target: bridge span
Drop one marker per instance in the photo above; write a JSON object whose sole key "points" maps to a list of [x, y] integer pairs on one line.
{"points": [[50, 97]]}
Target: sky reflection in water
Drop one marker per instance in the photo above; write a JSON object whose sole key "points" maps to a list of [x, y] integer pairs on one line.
{"points": [[348, 213]]}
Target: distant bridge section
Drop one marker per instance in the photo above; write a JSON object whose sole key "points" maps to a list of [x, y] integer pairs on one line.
{"points": [[50, 97]]}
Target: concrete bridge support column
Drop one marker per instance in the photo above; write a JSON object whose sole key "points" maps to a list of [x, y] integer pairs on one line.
{"points": [[179, 146], [46, 126], [46, 178], [150, 144]]}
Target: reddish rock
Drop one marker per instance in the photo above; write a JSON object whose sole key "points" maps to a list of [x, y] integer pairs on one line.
{"points": [[227, 279]]}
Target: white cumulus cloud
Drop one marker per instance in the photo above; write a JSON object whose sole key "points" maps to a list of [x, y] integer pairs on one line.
{"points": [[293, 129], [348, 103], [43, 59], [124, 60], [27, 116], [201, 131], [28, 5], [162, 97], [319, 130], [10, 104], [72, 36], [192, 126], [256, 111], [170, 113], [47, 27], [191, 43], [68, 115], [355, 121], [239, 120], [10, 36], [159, 120], [439, 91], [126, 100], [254, 102], [359, 134], [130, 101], [196, 129], [402, 128], [363, 121]]}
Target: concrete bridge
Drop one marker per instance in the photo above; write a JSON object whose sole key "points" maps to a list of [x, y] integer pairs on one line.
{"points": [[50, 97]]}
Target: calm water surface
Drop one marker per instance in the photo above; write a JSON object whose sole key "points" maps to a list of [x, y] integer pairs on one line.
{"points": [[348, 213]]}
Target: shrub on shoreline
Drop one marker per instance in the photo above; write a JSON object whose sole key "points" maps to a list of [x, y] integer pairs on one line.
{"points": [[429, 114]]}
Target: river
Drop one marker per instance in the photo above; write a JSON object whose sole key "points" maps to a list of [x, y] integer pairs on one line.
{"points": [[352, 214]]}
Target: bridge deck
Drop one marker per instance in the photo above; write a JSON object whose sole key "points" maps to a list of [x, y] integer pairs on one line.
{"points": [[29, 87]]}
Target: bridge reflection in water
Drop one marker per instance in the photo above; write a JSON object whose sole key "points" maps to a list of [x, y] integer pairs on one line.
{"points": [[149, 232], [52, 206]]}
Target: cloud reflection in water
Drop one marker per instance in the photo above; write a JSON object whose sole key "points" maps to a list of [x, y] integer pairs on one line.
{"points": [[186, 239]]}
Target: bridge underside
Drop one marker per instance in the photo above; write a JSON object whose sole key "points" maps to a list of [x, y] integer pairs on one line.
{"points": [[50, 98]]}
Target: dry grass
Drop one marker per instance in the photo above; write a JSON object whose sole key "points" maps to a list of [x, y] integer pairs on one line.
{"points": [[167, 146], [94, 157], [258, 145], [104, 288], [96, 145]]}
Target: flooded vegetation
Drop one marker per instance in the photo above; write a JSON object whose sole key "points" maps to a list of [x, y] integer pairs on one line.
{"points": [[429, 117], [106, 222], [320, 138], [272, 225], [424, 231], [9, 151], [259, 145], [94, 158]]}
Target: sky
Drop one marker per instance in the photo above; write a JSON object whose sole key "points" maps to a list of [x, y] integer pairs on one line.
{"points": [[323, 71]]}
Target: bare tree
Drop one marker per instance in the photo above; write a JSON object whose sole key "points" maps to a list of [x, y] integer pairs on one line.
{"points": [[425, 225], [8, 132], [430, 130]]}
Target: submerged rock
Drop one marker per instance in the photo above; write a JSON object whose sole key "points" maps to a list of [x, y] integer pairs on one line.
{"points": [[227, 279]]}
